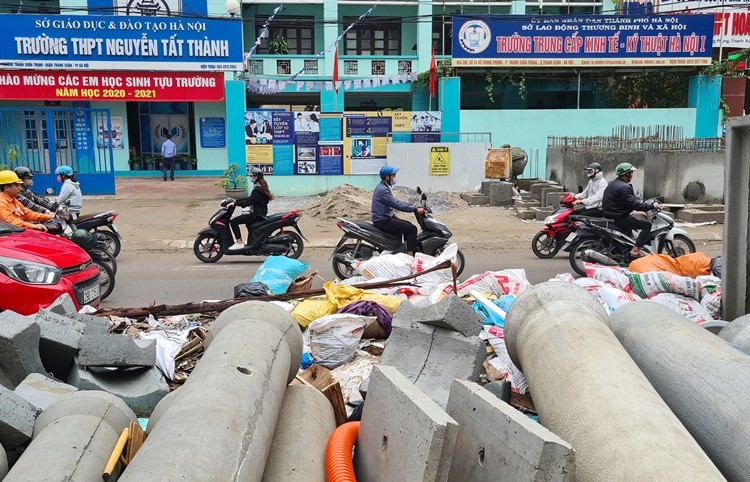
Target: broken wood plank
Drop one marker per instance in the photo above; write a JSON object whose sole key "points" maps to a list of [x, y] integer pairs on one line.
{"points": [[320, 378]]}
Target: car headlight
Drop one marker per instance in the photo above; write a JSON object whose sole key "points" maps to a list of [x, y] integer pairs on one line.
{"points": [[30, 272]]}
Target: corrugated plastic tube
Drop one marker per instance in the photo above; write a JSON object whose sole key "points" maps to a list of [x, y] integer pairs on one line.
{"points": [[339, 466]]}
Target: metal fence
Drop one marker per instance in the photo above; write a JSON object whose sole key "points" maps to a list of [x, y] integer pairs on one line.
{"points": [[640, 138], [432, 137]]}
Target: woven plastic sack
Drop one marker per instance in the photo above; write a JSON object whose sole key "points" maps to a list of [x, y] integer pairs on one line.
{"points": [[278, 272], [334, 338]]}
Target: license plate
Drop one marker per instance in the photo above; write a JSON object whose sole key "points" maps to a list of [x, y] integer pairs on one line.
{"points": [[114, 228], [91, 294], [571, 237]]}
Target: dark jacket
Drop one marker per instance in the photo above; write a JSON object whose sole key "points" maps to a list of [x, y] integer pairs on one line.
{"points": [[383, 204], [36, 202], [619, 200], [258, 200]]}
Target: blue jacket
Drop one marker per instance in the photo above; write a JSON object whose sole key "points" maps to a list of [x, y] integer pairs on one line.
{"points": [[383, 204]]}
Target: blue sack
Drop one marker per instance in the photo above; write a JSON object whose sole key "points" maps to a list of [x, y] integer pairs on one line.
{"points": [[279, 272], [490, 317]]}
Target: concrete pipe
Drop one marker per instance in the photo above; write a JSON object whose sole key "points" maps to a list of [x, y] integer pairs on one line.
{"points": [[3, 463], [704, 380], [305, 424], [220, 423], [590, 393], [737, 333], [73, 438]]}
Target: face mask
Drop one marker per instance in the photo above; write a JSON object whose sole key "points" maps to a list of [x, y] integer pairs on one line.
{"points": [[59, 178], [393, 181], [30, 182]]}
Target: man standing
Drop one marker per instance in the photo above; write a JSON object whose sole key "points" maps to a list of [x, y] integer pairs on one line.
{"points": [[11, 209], [168, 153]]}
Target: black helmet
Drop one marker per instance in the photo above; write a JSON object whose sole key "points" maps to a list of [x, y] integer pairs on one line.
{"points": [[593, 169], [256, 172], [83, 238], [23, 172]]}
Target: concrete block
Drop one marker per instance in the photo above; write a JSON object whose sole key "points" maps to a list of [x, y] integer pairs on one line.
{"points": [[19, 346], [500, 193], [433, 360], [403, 434], [700, 216], [553, 198], [542, 213], [451, 313], [526, 204], [545, 192], [140, 388], [474, 199], [536, 190], [496, 441], [63, 306], [42, 391], [525, 184], [706, 207], [17, 418], [116, 351], [526, 214], [3, 463], [60, 338], [497, 388]]}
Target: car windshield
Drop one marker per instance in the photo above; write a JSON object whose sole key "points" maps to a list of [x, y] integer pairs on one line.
{"points": [[6, 228]]}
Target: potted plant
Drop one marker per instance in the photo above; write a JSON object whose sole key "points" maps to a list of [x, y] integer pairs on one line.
{"points": [[234, 184], [136, 163], [186, 162], [278, 45]]}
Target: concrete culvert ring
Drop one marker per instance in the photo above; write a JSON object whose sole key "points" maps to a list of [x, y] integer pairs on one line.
{"points": [[694, 190]]}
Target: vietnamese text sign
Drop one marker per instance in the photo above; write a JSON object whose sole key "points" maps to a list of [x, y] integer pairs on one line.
{"points": [[121, 43], [112, 86], [213, 133], [582, 40], [440, 161], [731, 18]]}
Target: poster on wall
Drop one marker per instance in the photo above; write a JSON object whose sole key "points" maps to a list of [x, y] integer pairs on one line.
{"points": [[307, 160], [283, 160], [259, 127], [426, 126], [330, 159], [105, 136], [366, 141], [213, 133]]}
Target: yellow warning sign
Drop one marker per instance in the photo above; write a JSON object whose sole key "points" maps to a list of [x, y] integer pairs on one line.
{"points": [[440, 161]]}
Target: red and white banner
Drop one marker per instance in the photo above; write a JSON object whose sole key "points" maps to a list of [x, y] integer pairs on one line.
{"points": [[731, 18], [112, 86]]}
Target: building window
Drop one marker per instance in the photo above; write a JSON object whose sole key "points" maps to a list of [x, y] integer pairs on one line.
{"points": [[351, 67], [283, 67], [442, 31], [404, 66], [373, 37], [378, 67], [256, 67], [299, 33], [311, 67]]}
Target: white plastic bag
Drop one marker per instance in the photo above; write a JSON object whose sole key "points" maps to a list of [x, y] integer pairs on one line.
{"points": [[387, 266], [334, 338], [423, 262]]}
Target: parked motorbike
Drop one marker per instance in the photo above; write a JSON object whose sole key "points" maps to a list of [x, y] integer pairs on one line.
{"points": [[104, 224], [362, 241], [547, 242], [268, 237], [599, 240]]}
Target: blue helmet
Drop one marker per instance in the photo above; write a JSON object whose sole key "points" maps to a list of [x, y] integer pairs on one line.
{"points": [[64, 170], [386, 171]]}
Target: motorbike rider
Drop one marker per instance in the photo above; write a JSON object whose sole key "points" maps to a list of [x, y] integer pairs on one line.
{"points": [[255, 207], [619, 201], [70, 190], [383, 205], [591, 196], [11, 209], [30, 199]]}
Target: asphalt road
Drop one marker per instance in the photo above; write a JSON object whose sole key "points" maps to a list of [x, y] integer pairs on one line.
{"points": [[174, 277]]}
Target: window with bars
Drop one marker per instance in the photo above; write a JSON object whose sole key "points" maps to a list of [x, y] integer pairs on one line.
{"points": [[351, 67], [299, 33], [283, 67], [404, 66], [441, 32], [373, 37], [256, 67], [311, 66], [378, 67]]}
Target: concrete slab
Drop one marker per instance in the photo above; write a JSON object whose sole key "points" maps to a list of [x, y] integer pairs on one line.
{"points": [[526, 204], [451, 313], [495, 441], [536, 190], [63, 306], [140, 388], [42, 391], [525, 184], [60, 338], [433, 360], [545, 192], [474, 199], [525, 214], [19, 346], [700, 216], [116, 351], [403, 434], [706, 207], [541, 213], [3, 463], [499, 193], [17, 418], [553, 198]]}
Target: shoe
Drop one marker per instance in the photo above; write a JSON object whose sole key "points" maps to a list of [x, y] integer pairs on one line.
{"points": [[172, 179], [165, 178], [236, 246]]}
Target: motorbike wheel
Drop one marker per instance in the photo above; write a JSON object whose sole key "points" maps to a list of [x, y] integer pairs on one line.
{"points": [[106, 278], [460, 260], [577, 250], [105, 257], [113, 242], [544, 246], [341, 269], [679, 246], [207, 248], [296, 246]]}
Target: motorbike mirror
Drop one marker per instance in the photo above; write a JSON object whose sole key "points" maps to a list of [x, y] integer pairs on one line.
{"points": [[419, 190], [424, 197], [50, 191], [226, 201]]}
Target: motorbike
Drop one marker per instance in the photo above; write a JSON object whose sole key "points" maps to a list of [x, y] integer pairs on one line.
{"points": [[104, 224], [268, 237], [599, 240], [547, 242], [362, 241]]}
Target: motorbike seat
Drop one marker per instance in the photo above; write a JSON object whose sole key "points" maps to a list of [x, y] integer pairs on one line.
{"points": [[85, 217], [371, 227]]}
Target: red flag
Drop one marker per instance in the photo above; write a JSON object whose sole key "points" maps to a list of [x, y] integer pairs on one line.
{"points": [[336, 68], [433, 74]]}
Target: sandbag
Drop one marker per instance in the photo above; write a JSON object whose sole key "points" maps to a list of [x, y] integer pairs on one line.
{"points": [[687, 307], [691, 265], [334, 338], [311, 309], [655, 282], [341, 295]]}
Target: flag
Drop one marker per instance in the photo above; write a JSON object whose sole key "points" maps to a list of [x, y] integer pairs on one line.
{"points": [[433, 74], [336, 68]]}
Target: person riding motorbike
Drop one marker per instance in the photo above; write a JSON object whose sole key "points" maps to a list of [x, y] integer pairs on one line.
{"points": [[255, 207], [11, 209], [619, 201], [383, 205], [70, 190], [30, 199], [591, 196]]}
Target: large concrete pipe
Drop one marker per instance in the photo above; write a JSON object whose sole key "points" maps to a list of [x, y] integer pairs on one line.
{"points": [[73, 438], [590, 393], [704, 380], [305, 424], [219, 425], [737, 333], [3, 463]]}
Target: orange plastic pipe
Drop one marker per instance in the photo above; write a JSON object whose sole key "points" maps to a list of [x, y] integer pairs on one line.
{"points": [[339, 467]]}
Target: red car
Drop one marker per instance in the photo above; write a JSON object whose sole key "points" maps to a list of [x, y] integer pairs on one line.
{"points": [[36, 268]]}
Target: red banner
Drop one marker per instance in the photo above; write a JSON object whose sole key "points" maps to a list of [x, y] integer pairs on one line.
{"points": [[112, 86]]}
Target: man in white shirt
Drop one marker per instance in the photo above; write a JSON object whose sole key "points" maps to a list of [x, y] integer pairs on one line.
{"points": [[591, 197], [168, 153]]}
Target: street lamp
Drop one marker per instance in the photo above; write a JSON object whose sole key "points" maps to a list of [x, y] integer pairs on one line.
{"points": [[232, 7]]}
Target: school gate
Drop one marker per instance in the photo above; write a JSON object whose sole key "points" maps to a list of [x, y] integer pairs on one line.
{"points": [[43, 139]]}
